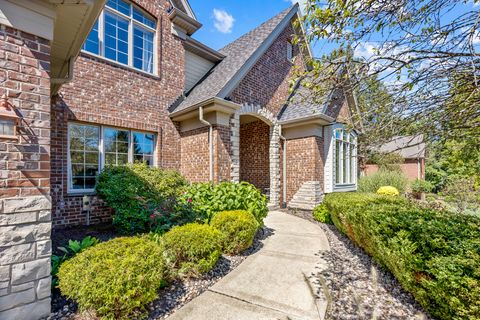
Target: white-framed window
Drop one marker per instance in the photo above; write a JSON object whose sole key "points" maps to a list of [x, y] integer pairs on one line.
{"points": [[345, 157], [289, 51], [92, 147], [125, 34]]}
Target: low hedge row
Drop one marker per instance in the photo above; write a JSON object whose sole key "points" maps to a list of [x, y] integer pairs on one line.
{"points": [[119, 277], [435, 255]]}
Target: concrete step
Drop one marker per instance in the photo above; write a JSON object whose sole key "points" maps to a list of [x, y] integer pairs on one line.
{"points": [[308, 196]]}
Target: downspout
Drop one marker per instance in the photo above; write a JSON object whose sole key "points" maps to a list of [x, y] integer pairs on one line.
{"points": [[210, 140], [69, 75], [284, 166]]}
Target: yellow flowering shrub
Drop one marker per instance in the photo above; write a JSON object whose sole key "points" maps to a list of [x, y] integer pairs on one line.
{"points": [[388, 191]]}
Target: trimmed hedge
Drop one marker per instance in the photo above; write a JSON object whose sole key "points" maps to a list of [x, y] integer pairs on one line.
{"points": [[191, 249], [321, 214], [434, 254], [238, 227], [116, 278], [208, 199]]}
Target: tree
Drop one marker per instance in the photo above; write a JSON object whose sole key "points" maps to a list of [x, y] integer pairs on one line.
{"points": [[424, 51]]}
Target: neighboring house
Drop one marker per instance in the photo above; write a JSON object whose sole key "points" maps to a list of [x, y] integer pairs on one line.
{"points": [[411, 148], [93, 83]]}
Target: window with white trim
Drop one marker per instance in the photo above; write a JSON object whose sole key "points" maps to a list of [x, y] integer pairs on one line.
{"points": [[125, 34], [91, 148], [345, 157]]}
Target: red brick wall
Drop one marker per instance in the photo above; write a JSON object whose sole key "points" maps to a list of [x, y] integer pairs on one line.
{"points": [[409, 168], [267, 83], [305, 162], [110, 94], [195, 161], [194, 164], [254, 154], [24, 78]]}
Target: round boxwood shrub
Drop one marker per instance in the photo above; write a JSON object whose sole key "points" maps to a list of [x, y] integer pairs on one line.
{"points": [[321, 214], [388, 191], [116, 278], [191, 249], [238, 227]]}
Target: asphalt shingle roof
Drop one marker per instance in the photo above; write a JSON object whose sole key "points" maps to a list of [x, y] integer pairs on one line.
{"points": [[409, 147], [302, 103], [236, 55]]}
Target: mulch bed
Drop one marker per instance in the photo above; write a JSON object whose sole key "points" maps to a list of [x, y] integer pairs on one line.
{"points": [[359, 287]]}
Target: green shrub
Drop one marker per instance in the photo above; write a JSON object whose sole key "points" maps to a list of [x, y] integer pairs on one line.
{"points": [[238, 227], [144, 198], [382, 178], [208, 199], [388, 191], [321, 214], [116, 278], [73, 248], [421, 186], [434, 254], [191, 249]]}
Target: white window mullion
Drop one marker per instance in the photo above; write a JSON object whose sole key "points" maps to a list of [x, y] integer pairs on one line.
{"points": [[130, 147], [130, 42], [102, 150], [101, 34], [348, 170], [340, 166]]}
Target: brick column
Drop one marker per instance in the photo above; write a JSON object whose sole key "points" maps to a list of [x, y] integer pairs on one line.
{"points": [[25, 206]]}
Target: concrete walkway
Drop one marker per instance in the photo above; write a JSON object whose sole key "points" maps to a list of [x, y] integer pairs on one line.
{"points": [[276, 282]]}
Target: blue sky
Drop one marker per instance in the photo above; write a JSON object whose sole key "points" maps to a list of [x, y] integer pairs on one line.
{"points": [[225, 21], [246, 15]]}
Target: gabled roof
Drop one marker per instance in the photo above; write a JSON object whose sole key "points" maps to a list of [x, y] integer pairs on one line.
{"points": [[409, 147], [240, 56]]}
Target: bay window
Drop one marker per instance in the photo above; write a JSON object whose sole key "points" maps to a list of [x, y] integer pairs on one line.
{"points": [[91, 148], [345, 157], [125, 34]]}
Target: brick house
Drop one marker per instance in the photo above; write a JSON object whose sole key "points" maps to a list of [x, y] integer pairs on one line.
{"points": [[213, 115], [411, 149], [94, 83]]}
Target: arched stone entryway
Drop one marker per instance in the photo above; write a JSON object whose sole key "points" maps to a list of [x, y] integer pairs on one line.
{"points": [[257, 119]]}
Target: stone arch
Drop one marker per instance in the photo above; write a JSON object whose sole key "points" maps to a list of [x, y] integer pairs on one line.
{"points": [[257, 111], [274, 147]]}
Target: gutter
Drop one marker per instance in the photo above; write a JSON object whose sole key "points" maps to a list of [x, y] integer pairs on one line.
{"points": [[210, 140], [284, 167], [204, 103], [312, 117], [69, 76]]}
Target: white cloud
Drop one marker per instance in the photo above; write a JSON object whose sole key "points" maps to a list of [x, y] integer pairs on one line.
{"points": [[223, 20], [365, 50]]}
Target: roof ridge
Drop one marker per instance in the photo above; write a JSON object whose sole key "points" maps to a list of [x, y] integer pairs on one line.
{"points": [[282, 13]]}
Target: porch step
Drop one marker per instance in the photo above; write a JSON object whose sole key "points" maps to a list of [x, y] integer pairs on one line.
{"points": [[307, 197]]}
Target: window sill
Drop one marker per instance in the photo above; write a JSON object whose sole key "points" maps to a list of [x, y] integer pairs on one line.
{"points": [[79, 193], [8, 137], [118, 64]]}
